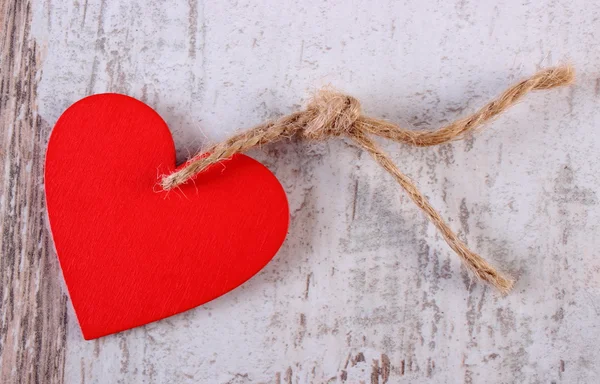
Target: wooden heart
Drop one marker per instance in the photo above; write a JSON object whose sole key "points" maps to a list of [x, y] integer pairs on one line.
{"points": [[131, 253]]}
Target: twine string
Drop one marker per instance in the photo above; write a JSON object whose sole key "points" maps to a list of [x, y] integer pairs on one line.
{"points": [[331, 114]]}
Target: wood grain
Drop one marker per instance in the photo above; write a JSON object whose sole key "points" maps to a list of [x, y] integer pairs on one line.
{"points": [[363, 290], [33, 324]]}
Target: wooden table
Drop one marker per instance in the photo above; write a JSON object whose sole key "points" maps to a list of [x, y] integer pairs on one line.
{"points": [[364, 289]]}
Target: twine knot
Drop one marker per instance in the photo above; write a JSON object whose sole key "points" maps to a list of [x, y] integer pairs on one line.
{"points": [[331, 113]]}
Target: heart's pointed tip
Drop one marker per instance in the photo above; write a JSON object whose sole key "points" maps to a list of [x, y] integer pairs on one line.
{"points": [[87, 333]]}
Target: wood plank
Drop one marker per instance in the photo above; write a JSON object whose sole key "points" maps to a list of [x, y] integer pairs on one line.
{"points": [[33, 307], [364, 289]]}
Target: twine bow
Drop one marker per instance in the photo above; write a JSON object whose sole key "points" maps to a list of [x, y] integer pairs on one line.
{"points": [[330, 114]]}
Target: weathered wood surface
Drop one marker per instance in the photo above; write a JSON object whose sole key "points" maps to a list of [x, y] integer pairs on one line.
{"points": [[33, 306], [364, 289]]}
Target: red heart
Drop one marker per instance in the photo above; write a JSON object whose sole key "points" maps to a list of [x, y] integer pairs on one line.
{"points": [[130, 253]]}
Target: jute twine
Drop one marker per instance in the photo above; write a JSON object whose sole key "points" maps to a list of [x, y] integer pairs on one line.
{"points": [[331, 114]]}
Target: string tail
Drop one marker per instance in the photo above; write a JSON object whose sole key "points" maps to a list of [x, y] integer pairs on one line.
{"points": [[478, 265], [553, 77]]}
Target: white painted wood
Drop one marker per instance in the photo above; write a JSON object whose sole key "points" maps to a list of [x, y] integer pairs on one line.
{"points": [[364, 289]]}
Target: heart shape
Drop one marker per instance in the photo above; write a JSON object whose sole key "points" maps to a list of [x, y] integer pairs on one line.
{"points": [[131, 253]]}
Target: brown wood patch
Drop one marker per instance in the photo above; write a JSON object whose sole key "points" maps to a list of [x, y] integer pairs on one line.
{"points": [[33, 308]]}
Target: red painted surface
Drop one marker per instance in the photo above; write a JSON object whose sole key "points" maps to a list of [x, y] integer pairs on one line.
{"points": [[131, 253]]}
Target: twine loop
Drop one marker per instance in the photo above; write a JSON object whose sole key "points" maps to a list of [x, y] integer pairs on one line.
{"points": [[331, 114]]}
